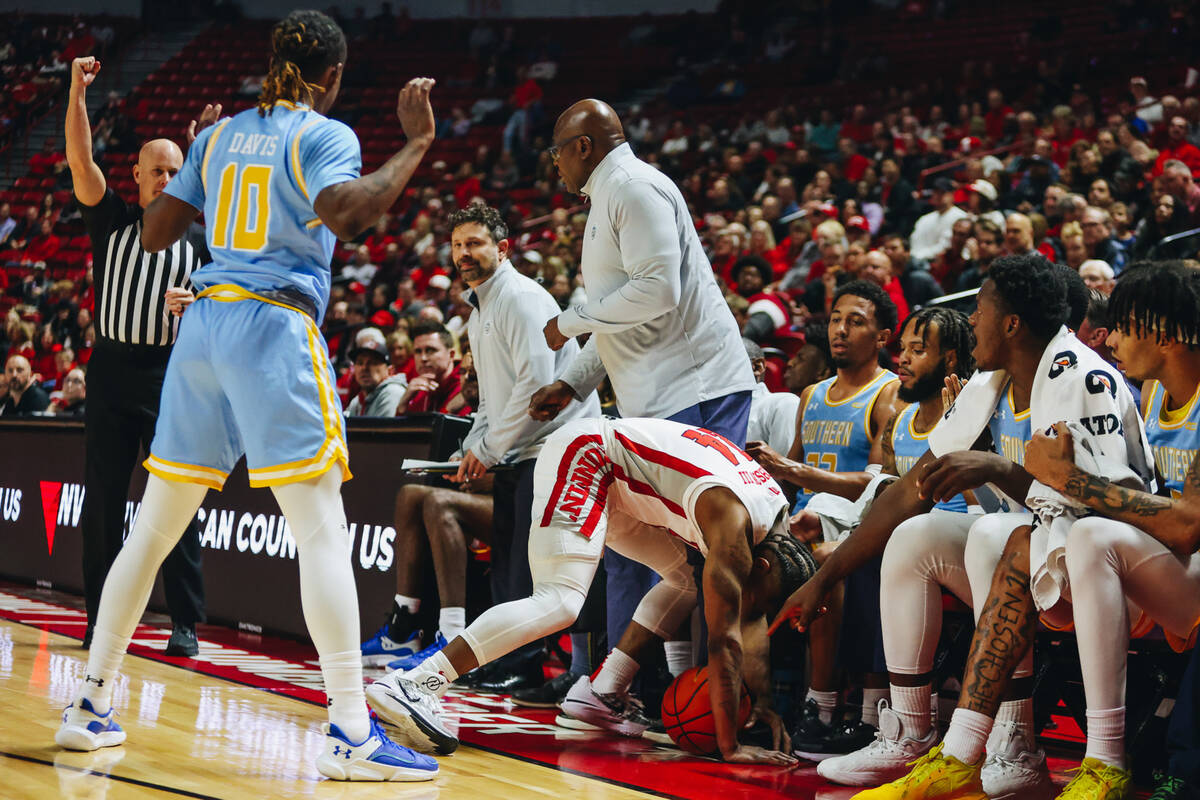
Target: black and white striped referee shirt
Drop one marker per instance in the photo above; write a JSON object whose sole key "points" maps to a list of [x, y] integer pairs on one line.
{"points": [[129, 282]]}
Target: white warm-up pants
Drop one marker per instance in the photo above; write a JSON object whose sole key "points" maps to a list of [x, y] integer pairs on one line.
{"points": [[562, 562], [926, 553], [1115, 570]]}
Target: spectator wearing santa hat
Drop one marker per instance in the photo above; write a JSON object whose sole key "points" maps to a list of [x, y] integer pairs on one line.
{"points": [[981, 201]]}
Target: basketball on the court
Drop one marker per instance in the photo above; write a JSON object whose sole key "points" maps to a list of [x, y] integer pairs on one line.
{"points": [[687, 712]]}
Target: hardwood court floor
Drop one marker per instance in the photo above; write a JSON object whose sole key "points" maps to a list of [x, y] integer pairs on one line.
{"points": [[242, 720], [191, 735]]}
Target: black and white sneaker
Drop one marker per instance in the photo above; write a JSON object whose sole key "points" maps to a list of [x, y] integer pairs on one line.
{"points": [[413, 709]]}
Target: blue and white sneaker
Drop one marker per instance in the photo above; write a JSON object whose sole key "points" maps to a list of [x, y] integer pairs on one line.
{"points": [[379, 649], [83, 729], [414, 660], [376, 758]]}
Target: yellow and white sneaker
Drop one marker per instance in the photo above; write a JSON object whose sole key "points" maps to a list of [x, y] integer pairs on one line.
{"points": [[1095, 780], [933, 777]]}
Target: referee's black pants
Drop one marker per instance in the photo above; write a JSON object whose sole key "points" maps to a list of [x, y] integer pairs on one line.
{"points": [[124, 383]]}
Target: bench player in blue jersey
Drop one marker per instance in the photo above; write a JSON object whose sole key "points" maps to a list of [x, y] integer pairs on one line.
{"points": [[935, 343], [1139, 548], [838, 432], [925, 551], [278, 184]]}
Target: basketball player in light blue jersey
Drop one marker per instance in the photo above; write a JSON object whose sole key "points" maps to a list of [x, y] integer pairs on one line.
{"points": [[935, 343], [838, 433], [1138, 548], [278, 185], [1022, 304], [841, 418]]}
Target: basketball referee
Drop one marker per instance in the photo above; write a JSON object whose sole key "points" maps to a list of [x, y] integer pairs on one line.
{"points": [[139, 296]]}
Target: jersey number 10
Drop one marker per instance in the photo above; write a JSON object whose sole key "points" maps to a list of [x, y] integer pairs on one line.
{"points": [[252, 185]]}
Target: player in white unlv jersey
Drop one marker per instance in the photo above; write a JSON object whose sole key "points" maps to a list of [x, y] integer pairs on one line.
{"points": [[647, 488]]}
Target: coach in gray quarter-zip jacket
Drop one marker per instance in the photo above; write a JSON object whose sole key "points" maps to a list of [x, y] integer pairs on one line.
{"points": [[512, 361], [660, 327]]}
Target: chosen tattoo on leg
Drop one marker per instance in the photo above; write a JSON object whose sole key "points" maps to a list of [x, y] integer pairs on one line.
{"points": [[1004, 633]]}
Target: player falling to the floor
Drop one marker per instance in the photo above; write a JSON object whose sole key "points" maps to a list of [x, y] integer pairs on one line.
{"points": [[279, 185], [648, 489]]}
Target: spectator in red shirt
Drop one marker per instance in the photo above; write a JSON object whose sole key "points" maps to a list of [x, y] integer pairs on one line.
{"points": [[998, 111], [42, 247], [437, 381], [858, 127], [1178, 148], [49, 160], [1065, 134], [379, 239], [854, 163], [877, 268]]}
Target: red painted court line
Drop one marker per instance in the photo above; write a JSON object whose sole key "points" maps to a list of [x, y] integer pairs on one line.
{"points": [[489, 722]]}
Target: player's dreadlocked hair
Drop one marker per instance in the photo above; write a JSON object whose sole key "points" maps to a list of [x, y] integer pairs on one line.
{"points": [[954, 331], [303, 45], [1034, 290], [795, 560], [1159, 296]]}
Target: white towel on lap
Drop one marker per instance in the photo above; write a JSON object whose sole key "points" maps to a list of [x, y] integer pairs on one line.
{"points": [[1073, 384]]}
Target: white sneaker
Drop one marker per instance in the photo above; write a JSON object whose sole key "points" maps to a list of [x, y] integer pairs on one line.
{"points": [[1015, 767], [83, 729], [415, 710], [565, 720], [620, 714], [887, 758]]}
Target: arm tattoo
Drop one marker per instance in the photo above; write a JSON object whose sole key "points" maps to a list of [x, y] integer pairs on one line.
{"points": [[1117, 501], [1002, 637], [889, 452]]}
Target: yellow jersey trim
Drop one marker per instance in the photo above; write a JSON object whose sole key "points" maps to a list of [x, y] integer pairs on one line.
{"points": [[212, 143]]}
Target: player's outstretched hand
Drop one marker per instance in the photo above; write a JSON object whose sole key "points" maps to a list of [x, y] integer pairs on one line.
{"points": [[749, 754], [805, 526], [549, 400], [84, 71], [767, 458], [210, 114], [801, 608], [415, 111]]}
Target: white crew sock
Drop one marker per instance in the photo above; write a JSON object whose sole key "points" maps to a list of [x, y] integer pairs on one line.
{"points": [[1019, 713], [827, 703], [435, 674], [413, 604], [679, 657], [1106, 736], [968, 735], [870, 705], [451, 621], [615, 674], [344, 692], [913, 705]]}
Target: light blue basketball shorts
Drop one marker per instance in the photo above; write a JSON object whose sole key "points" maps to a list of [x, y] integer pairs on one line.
{"points": [[247, 375]]}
